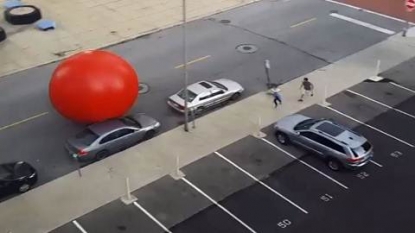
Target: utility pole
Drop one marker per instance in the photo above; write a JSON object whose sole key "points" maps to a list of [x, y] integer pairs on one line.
{"points": [[186, 94]]}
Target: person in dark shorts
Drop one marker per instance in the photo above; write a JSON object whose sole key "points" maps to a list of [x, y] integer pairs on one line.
{"points": [[307, 88]]}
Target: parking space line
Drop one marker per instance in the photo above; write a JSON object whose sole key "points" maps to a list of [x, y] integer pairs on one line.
{"points": [[303, 22], [369, 126], [262, 183], [152, 217], [80, 228], [361, 23], [368, 11], [306, 164], [376, 163], [219, 205], [23, 121], [382, 104], [402, 87], [193, 61]]}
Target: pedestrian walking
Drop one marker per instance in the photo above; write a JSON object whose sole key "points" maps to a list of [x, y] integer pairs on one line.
{"points": [[307, 88], [277, 96]]}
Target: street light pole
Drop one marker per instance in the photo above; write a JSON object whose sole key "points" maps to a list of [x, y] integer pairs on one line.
{"points": [[186, 94]]}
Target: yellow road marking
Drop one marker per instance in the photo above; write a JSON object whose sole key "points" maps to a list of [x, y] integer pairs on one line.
{"points": [[194, 61], [304, 22], [23, 121]]}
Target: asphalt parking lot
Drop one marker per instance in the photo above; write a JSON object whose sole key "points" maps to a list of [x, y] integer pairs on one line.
{"points": [[258, 185]]}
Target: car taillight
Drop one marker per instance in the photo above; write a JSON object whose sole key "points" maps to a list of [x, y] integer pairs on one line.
{"points": [[354, 160], [82, 152]]}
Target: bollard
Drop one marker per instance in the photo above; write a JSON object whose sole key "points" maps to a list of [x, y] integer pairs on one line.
{"points": [[128, 198], [377, 68]]}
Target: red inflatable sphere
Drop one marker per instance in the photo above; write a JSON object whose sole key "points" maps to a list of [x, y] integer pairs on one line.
{"points": [[93, 86]]}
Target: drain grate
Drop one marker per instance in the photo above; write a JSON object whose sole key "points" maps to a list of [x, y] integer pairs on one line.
{"points": [[225, 21], [143, 88], [247, 48]]}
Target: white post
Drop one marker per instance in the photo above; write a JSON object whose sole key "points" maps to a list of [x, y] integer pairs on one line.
{"points": [[178, 165], [377, 68], [127, 182]]}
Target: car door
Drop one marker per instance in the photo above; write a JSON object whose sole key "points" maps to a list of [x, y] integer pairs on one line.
{"points": [[205, 100], [218, 96], [309, 140], [110, 142]]}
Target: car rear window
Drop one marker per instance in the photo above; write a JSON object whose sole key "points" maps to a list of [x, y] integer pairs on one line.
{"points": [[218, 85], [361, 150], [190, 94], [87, 137]]}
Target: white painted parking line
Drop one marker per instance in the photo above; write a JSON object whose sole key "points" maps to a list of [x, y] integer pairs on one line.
{"points": [[402, 87], [376, 163], [369, 126], [80, 228], [152, 217], [382, 104], [368, 11], [219, 205], [262, 183], [361, 23], [306, 164]]}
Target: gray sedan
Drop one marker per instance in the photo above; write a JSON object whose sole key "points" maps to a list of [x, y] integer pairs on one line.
{"points": [[337, 145], [100, 140]]}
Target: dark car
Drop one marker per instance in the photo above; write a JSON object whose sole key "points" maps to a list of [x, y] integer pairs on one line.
{"points": [[16, 177]]}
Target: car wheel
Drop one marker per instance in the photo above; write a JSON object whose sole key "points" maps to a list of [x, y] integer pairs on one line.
{"points": [[101, 155], [3, 35], [24, 188], [334, 164], [21, 15], [149, 134], [235, 96], [282, 138]]}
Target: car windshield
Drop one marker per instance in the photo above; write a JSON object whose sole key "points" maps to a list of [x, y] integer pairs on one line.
{"points": [[191, 95], [306, 124], [129, 121], [218, 85], [86, 137]]}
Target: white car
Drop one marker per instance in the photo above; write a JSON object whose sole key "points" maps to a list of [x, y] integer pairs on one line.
{"points": [[206, 94]]}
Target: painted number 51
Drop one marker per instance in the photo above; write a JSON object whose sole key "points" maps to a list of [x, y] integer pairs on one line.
{"points": [[284, 223]]}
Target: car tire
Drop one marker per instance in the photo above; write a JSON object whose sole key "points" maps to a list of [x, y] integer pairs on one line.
{"points": [[282, 138], [101, 155], [235, 96], [14, 17], [149, 134], [24, 188], [334, 164], [3, 35]]}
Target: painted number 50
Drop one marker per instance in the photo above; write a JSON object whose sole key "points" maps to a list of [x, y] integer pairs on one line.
{"points": [[284, 223]]}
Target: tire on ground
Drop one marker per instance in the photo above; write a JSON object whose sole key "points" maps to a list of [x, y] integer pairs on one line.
{"points": [[3, 35], [21, 15]]}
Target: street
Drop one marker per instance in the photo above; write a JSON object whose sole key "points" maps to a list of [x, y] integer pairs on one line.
{"points": [[273, 27]]}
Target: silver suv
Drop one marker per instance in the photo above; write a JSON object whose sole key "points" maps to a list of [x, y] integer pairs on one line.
{"points": [[337, 145]]}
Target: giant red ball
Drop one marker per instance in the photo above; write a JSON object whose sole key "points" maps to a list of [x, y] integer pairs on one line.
{"points": [[93, 86]]}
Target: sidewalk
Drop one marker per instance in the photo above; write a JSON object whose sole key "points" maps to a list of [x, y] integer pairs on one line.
{"points": [[58, 202], [92, 24]]}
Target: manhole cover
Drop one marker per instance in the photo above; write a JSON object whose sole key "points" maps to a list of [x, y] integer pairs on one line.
{"points": [[247, 48], [226, 21], [143, 88]]}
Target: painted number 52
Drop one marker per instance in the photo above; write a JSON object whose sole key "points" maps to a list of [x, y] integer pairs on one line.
{"points": [[284, 223]]}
